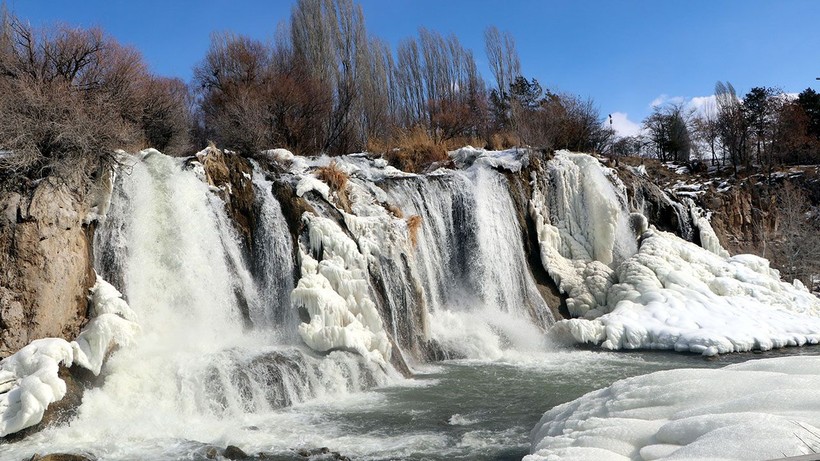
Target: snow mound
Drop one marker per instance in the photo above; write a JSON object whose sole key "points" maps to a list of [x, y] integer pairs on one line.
{"points": [[29, 379], [308, 183], [296, 164], [676, 295], [761, 409], [667, 293]]}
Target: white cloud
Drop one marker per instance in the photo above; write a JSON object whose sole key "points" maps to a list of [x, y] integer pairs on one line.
{"points": [[658, 101], [699, 103], [665, 98], [622, 125]]}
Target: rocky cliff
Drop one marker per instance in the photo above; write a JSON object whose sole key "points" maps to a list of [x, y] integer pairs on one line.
{"points": [[45, 261]]}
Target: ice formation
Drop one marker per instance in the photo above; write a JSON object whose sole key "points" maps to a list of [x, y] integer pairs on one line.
{"points": [[511, 159], [676, 295], [334, 292], [669, 294], [582, 228], [708, 238], [29, 379], [760, 409]]}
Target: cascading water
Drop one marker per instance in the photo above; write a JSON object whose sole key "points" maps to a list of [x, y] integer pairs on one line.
{"points": [[469, 257], [273, 261], [197, 369], [394, 269]]}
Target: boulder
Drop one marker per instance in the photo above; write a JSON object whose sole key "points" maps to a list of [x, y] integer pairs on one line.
{"points": [[235, 453], [62, 457]]}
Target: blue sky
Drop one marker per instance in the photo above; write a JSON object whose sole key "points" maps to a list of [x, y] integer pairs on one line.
{"points": [[623, 54]]}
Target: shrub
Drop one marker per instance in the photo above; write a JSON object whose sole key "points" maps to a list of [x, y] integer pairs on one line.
{"points": [[502, 140], [394, 210], [334, 176], [69, 97], [415, 151]]}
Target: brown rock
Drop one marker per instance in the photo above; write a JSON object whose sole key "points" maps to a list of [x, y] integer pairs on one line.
{"points": [[45, 263], [232, 174], [61, 457]]}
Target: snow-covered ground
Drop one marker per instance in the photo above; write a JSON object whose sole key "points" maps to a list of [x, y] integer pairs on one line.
{"points": [[762, 409]]}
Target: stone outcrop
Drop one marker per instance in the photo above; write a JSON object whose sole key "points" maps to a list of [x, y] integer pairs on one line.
{"points": [[45, 262], [233, 176], [738, 216]]}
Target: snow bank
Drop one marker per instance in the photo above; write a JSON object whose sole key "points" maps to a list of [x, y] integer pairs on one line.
{"points": [[676, 295], [296, 164], [308, 183], [761, 409], [371, 170], [334, 291], [29, 379]]}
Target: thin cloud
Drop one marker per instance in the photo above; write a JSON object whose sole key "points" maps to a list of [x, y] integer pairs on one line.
{"points": [[666, 99]]}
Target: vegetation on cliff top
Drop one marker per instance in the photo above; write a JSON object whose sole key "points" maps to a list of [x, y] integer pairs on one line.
{"points": [[70, 96]]}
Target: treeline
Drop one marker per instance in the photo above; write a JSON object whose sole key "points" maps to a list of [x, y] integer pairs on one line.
{"points": [[764, 128], [69, 97], [322, 84], [325, 85]]}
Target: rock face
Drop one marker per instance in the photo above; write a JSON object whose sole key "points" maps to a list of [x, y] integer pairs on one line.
{"points": [[740, 215], [45, 263], [232, 175]]}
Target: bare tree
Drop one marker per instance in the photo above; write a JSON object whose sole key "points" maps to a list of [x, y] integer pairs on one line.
{"points": [[705, 127], [668, 129], [68, 98], [410, 82], [330, 38], [797, 249], [231, 81], [731, 123], [502, 57]]}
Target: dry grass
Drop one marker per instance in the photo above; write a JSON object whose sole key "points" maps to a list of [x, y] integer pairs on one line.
{"points": [[334, 176], [503, 140], [394, 210], [414, 226], [413, 151]]}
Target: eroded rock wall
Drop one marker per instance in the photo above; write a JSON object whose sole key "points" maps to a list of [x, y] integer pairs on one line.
{"points": [[45, 262]]}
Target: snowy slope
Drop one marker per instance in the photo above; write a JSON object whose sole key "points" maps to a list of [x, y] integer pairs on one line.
{"points": [[762, 409]]}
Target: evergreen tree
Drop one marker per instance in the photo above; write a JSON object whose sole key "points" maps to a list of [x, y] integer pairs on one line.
{"points": [[809, 100]]}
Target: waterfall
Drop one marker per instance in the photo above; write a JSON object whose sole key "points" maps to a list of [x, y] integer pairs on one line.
{"points": [[272, 260], [470, 259], [171, 246]]}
